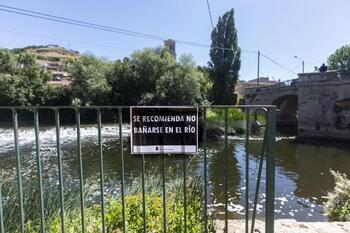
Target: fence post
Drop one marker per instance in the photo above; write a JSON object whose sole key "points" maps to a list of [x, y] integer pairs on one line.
{"points": [[40, 179], [100, 145], [205, 170], [247, 170], [2, 229], [81, 171], [270, 171], [59, 162], [226, 171], [164, 196], [120, 118], [18, 168]]}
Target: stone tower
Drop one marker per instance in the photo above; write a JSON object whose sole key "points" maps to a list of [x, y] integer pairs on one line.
{"points": [[170, 44]]}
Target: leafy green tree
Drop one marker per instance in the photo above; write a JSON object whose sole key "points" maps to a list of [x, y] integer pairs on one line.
{"points": [[180, 85], [14, 90], [150, 64], [89, 80], [225, 63], [58, 96], [340, 61], [37, 78], [150, 76], [206, 85], [22, 81], [134, 79], [125, 83], [7, 62]]}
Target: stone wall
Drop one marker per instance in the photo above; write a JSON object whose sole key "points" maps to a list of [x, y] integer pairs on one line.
{"points": [[324, 106]]}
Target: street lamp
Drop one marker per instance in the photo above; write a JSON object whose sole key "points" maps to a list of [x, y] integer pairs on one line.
{"points": [[302, 62]]}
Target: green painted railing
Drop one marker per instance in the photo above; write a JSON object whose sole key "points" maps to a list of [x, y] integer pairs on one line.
{"points": [[267, 153]]}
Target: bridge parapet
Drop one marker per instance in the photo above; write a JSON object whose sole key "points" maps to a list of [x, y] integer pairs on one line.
{"points": [[280, 86], [307, 78]]}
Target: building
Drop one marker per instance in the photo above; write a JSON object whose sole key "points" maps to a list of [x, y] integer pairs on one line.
{"points": [[52, 59]]}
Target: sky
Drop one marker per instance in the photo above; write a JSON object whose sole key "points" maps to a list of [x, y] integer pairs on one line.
{"points": [[309, 29]]}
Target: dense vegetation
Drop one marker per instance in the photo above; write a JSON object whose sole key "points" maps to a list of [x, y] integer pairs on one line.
{"points": [[337, 207], [150, 76], [340, 61], [22, 81], [113, 208]]}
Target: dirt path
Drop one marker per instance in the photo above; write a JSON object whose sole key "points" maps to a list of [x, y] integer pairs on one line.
{"points": [[288, 226]]}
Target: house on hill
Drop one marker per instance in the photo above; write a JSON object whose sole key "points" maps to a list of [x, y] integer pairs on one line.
{"points": [[52, 58]]}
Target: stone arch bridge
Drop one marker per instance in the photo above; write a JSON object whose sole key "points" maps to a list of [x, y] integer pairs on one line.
{"points": [[318, 103]]}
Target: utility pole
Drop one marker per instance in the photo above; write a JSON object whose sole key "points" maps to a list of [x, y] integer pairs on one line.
{"points": [[302, 63], [258, 73]]}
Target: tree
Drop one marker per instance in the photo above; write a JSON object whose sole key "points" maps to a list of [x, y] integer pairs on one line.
{"points": [[225, 63], [340, 61], [150, 64], [125, 83], [22, 80], [7, 62], [58, 96], [89, 80], [134, 79], [14, 91], [180, 85], [206, 85]]}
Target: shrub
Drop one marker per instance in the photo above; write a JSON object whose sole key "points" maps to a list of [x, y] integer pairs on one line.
{"points": [[113, 209], [337, 207], [235, 119], [154, 214]]}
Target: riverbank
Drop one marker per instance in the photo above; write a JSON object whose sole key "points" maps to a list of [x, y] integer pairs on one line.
{"points": [[287, 226]]}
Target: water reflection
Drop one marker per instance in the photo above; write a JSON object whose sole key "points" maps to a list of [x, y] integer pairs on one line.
{"points": [[313, 165], [217, 175]]}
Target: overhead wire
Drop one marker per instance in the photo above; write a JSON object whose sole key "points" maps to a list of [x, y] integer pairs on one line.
{"points": [[85, 24], [76, 24], [61, 39], [81, 23], [277, 63], [210, 17], [129, 32]]}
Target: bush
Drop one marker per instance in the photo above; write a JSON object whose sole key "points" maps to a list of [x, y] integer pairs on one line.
{"points": [[113, 209], [154, 214], [235, 119], [154, 211], [337, 207]]}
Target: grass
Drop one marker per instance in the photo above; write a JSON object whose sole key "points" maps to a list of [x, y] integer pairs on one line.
{"points": [[113, 210], [31, 196]]}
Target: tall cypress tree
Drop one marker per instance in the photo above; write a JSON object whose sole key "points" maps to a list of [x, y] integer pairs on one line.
{"points": [[225, 63]]}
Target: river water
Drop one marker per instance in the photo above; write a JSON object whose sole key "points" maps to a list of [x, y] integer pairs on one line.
{"points": [[302, 170]]}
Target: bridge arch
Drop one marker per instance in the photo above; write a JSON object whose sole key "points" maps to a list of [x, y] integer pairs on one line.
{"points": [[288, 109]]}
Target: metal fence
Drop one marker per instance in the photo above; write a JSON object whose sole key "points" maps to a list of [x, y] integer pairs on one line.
{"points": [[251, 115]]}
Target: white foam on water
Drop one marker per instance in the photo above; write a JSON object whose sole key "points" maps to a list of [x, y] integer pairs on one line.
{"points": [[238, 137], [68, 134]]}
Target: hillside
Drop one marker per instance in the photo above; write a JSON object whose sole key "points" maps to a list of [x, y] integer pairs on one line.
{"points": [[53, 58]]}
